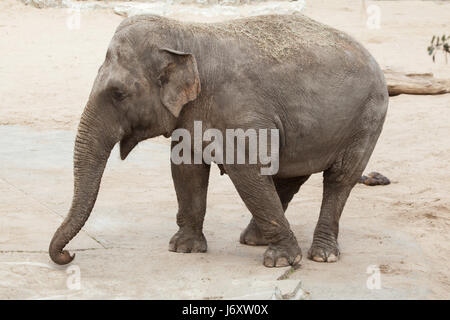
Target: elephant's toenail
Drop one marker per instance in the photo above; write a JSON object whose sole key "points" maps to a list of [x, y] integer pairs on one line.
{"points": [[268, 262], [332, 258], [318, 259], [282, 262]]}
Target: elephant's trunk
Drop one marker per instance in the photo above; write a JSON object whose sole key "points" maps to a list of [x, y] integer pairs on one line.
{"points": [[95, 139]]}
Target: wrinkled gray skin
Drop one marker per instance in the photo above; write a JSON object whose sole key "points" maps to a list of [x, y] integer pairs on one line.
{"points": [[321, 89]]}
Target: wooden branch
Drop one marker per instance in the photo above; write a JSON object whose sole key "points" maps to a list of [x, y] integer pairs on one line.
{"points": [[415, 83]]}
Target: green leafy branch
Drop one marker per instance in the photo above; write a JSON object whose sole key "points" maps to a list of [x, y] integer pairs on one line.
{"points": [[439, 44]]}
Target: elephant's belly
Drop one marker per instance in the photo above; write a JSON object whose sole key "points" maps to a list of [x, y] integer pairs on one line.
{"points": [[297, 169], [295, 162], [289, 169]]}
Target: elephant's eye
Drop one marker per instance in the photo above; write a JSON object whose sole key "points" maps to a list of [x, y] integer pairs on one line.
{"points": [[118, 94]]}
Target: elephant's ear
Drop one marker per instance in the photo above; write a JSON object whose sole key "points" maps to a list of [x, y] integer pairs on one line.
{"points": [[179, 80]]}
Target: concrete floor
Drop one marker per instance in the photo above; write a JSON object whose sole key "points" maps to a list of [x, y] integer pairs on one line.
{"points": [[122, 250]]}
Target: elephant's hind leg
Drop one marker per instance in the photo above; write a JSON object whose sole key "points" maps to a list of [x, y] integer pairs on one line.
{"points": [[286, 189], [338, 182], [325, 247], [191, 185], [260, 196]]}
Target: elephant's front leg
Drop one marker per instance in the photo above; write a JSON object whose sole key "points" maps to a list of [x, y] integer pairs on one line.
{"points": [[191, 185], [260, 196]]}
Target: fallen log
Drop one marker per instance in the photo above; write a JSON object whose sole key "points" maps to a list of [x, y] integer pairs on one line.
{"points": [[415, 83]]}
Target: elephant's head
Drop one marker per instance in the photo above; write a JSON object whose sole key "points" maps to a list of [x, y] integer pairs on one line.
{"points": [[139, 93]]}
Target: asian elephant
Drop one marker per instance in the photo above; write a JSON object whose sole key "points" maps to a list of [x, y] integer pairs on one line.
{"points": [[322, 91]]}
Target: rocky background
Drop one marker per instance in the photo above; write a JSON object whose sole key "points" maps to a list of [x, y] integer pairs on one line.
{"points": [[205, 8]]}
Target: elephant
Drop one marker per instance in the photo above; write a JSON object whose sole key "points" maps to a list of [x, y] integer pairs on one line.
{"points": [[319, 88]]}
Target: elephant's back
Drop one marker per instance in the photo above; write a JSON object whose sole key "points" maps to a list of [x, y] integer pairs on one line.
{"points": [[282, 36], [277, 37]]}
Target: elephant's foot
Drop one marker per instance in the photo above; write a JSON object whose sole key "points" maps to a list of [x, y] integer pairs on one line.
{"points": [[186, 241], [252, 236], [324, 252], [283, 254]]}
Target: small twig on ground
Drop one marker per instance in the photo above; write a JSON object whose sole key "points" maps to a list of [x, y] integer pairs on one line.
{"points": [[289, 272]]}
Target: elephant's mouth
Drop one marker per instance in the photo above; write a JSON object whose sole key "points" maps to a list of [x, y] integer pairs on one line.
{"points": [[127, 144], [130, 140], [138, 134]]}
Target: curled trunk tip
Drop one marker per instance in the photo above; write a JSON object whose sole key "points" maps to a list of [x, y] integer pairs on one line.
{"points": [[55, 250], [61, 257]]}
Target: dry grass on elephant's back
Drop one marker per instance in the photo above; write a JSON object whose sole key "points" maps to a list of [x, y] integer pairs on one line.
{"points": [[278, 36]]}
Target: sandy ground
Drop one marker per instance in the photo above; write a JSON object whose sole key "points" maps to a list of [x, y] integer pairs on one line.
{"points": [[46, 71]]}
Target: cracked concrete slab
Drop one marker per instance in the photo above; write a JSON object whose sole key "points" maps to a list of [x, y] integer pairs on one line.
{"points": [[27, 224], [122, 250]]}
